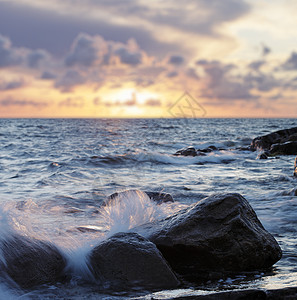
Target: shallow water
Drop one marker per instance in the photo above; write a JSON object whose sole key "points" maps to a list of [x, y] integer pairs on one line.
{"points": [[55, 174]]}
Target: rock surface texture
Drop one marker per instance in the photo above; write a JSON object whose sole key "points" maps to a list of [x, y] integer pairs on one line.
{"points": [[220, 233], [129, 260], [265, 142], [30, 262]]}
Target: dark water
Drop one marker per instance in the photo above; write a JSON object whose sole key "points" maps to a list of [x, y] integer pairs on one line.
{"points": [[56, 173]]}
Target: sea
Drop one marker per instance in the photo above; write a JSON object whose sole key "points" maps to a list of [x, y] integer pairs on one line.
{"points": [[57, 173]]}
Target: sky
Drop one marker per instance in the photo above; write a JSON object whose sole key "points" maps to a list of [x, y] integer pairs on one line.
{"points": [[139, 58]]}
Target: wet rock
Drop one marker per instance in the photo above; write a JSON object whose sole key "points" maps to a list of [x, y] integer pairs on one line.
{"points": [[232, 295], [219, 234], [160, 198], [282, 294], [157, 197], [263, 155], [189, 151], [128, 260], [208, 149], [288, 148], [31, 262], [278, 137]]}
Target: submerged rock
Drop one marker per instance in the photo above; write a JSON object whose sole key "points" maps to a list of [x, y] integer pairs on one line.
{"points": [[30, 262], [219, 234], [129, 260], [278, 137], [189, 151]]}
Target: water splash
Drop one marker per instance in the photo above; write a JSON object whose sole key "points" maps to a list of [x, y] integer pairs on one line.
{"points": [[130, 209]]}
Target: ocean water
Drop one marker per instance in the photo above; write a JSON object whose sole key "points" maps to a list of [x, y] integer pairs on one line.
{"points": [[56, 173]]}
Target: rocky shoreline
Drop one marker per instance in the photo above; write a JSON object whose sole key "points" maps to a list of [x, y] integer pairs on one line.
{"points": [[216, 237]]}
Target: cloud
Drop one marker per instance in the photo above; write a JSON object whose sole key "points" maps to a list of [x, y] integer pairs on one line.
{"points": [[83, 52], [176, 60], [8, 55], [191, 72], [129, 57], [69, 80], [11, 85], [221, 84], [46, 75], [172, 74], [153, 102], [265, 50], [14, 102], [256, 65], [291, 62], [35, 57], [72, 102]]}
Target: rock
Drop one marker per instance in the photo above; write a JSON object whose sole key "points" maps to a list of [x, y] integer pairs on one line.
{"points": [[281, 136], [160, 198], [219, 234], [248, 294], [30, 262], [128, 260], [190, 151], [282, 294], [230, 295], [288, 148], [295, 167], [209, 149], [263, 155], [157, 197]]}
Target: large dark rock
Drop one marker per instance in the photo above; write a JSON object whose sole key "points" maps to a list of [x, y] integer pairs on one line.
{"points": [[217, 235], [278, 137], [30, 262], [288, 148], [129, 260]]}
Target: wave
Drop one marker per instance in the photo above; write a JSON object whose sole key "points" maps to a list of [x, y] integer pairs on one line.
{"points": [[217, 157]]}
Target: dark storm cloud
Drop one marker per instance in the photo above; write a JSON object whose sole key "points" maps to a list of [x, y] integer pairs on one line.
{"points": [[8, 55]]}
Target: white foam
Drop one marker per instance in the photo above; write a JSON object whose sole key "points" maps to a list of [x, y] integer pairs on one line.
{"points": [[130, 209]]}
